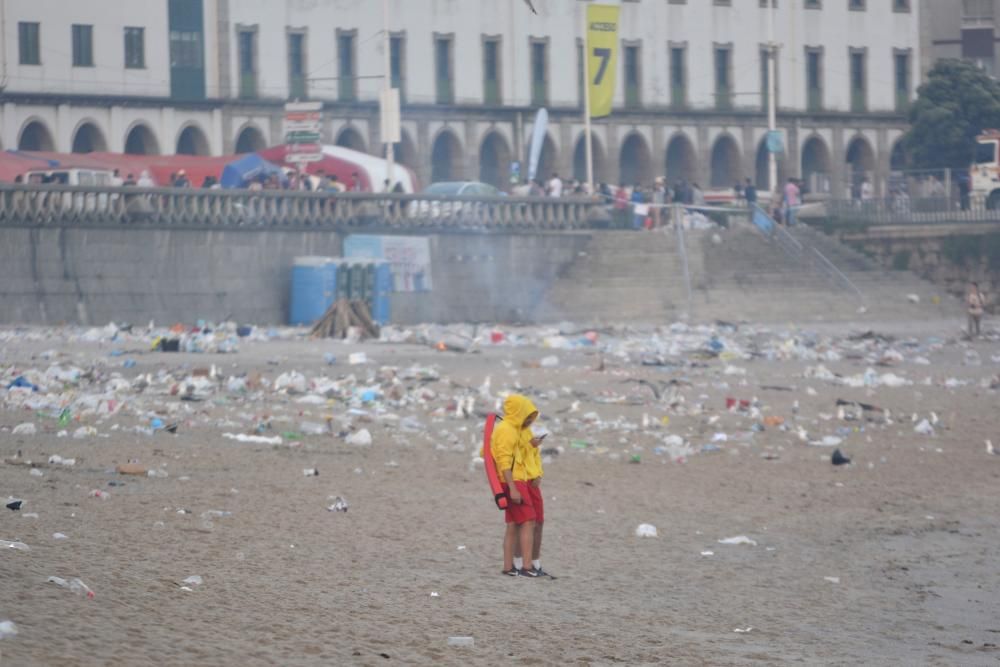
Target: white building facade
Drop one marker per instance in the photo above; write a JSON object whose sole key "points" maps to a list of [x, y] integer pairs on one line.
{"points": [[211, 77]]}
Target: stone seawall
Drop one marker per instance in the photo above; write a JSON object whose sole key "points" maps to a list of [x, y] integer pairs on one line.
{"points": [[946, 255], [97, 275]]}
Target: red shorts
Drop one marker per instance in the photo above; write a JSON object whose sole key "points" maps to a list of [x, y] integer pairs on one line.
{"points": [[525, 510], [537, 503]]}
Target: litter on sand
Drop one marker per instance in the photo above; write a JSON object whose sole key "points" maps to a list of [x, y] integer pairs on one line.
{"points": [[645, 530], [739, 539]]}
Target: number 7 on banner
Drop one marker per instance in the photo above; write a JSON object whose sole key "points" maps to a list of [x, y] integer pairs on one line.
{"points": [[602, 52]]}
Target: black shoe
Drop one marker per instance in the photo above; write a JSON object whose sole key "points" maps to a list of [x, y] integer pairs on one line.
{"points": [[531, 573], [512, 572], [543, 573]]}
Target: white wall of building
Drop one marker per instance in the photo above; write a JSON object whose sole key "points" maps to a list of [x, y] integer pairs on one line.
{"points": [[653, 23], [108, 76]]}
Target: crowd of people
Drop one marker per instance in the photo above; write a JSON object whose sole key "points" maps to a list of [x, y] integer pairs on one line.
{"points": [[642, 207]]}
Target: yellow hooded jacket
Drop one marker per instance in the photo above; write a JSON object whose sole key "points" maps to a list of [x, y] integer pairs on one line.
{"points": [[511, 442]]}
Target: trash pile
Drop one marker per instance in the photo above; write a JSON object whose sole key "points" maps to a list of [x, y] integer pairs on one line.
{"points": [[698, 376]]}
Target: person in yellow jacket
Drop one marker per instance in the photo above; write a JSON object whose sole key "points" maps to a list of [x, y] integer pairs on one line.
{"points": [[519, 463]]}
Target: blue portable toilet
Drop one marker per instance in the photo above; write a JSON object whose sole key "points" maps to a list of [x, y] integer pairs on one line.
{"points": [[313, 288], [380, 293]]}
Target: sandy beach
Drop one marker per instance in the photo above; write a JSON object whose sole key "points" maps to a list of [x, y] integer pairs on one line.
{"points": [[888, 560]]}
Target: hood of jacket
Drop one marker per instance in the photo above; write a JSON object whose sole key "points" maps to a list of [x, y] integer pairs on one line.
{"points": [[517, 408]]}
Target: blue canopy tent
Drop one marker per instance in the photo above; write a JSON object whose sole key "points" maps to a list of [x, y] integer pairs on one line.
{"points": [[240, 173]]}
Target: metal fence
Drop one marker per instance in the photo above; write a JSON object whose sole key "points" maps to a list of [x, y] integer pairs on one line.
{"points": [[49, 205], [900, 209]]}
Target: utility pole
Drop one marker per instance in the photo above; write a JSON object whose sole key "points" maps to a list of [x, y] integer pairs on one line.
{"points": [[772, 121], [586, 106], [389, 148]]}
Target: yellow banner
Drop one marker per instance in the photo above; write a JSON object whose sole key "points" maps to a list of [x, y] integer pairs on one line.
{"points": [[602, 57]]}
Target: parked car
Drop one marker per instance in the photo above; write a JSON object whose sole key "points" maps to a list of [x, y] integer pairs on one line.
{"points": [[429, 208], [462, 189]]}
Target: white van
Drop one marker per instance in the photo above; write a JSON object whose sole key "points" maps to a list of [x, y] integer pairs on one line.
{"points": [[69, 176], [78, 201]]}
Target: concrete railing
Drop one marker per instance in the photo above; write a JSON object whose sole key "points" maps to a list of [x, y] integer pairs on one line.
{"points": [[49, 205]]}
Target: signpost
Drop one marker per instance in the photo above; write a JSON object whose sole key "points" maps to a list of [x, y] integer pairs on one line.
{"points": [[303, 124]]}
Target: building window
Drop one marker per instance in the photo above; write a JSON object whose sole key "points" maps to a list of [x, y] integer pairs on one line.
{"points": [[678, 76], [977, 11], [813, 4], [444, 70], [185, 49], [297, 84], [763, 3], [347, 90], [247, 42], [135, 48], [765, 90], [633, 76], [723, 77], [859, 100], [83, 45], [814, 79], [723, 3], [396, 64], [539, 73], [856, 5], [28, 43], [902, 66], [676, 2], [491, 70], [900, 5]]}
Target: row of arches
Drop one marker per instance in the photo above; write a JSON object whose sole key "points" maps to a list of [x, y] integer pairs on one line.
{"points": [[139, 139], [636, 163]]}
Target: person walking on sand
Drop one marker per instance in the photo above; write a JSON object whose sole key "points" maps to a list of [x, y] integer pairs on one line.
{"points": [[511, 446], [976, 304]]}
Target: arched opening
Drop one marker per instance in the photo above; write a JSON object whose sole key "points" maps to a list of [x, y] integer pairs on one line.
{"points": [[816, 166], [35, 137], [725, 163], [405, 152], [88, 139], [494, 160], [446, 158], [580, 160], [860, 165], [140, 141], [635, 162], [250, 140], [351, 138], [680, 164], [762, 167], [546, 160], [192, 141]]}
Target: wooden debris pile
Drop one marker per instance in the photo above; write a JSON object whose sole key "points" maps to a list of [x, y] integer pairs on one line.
{"points": [[341, 316]]}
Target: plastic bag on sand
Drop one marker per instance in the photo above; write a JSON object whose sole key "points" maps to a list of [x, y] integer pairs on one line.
{"points": [[739, 539], [256, 439], [292, 382], [820, 372], [26, 428], [360, 438], [7, 629], [549, 362], [924, 428], [645, 530]]}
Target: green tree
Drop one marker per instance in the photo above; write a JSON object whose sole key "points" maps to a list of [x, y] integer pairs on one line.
{"points": [[957, 102]]}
